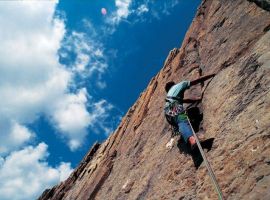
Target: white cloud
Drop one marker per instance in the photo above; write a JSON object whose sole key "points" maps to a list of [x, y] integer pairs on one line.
{"points": [[18, 136], [167, 6], [20, 133], [142, 9], [25, 174], [90, 29], [71, 117], [122, 11], [163, 8], [120, 14], [32, 81], [64, 170], [100, 110], [89, 54], [30, 75], [98, 53], [99, 115], [82, 61], [126, 8], [101, 84]]}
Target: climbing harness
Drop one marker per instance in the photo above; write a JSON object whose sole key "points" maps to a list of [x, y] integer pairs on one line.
{"points": [[174, 106], [208, 166]]}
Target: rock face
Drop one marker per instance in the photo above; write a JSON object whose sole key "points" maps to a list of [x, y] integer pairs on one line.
{"points": [[227, 37]]}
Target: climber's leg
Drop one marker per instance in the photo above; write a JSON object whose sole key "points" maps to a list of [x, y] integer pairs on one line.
{"points": [[186, 131]]}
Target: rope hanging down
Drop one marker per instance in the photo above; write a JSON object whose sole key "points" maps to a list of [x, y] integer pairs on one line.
{"points": [[210, 171]]}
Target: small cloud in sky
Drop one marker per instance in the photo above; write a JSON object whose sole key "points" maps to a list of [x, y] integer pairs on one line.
{"points": [[142, 9], [122, 9], [89, 28], [126, 8], [167, 6], [98, 53], [101, 84], [120, 14], [81, 62], [100, 115]]}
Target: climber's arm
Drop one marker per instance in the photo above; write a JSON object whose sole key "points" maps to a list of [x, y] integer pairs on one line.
{"points": [[201, 79], [191, 100]]}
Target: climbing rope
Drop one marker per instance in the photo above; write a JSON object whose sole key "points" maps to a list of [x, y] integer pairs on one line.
{"points": [[208, 166]]}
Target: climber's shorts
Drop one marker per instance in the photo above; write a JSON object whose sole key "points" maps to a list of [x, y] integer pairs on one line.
{"points": [[184, 127]]}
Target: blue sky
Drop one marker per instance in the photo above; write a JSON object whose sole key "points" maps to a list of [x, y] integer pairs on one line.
{"points": [[68, 73]]}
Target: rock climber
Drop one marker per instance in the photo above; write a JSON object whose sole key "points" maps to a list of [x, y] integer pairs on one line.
{"points": [[174, 109]]}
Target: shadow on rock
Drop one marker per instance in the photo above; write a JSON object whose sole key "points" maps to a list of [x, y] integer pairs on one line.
{"points": [[195, 116], [195, 153]]}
